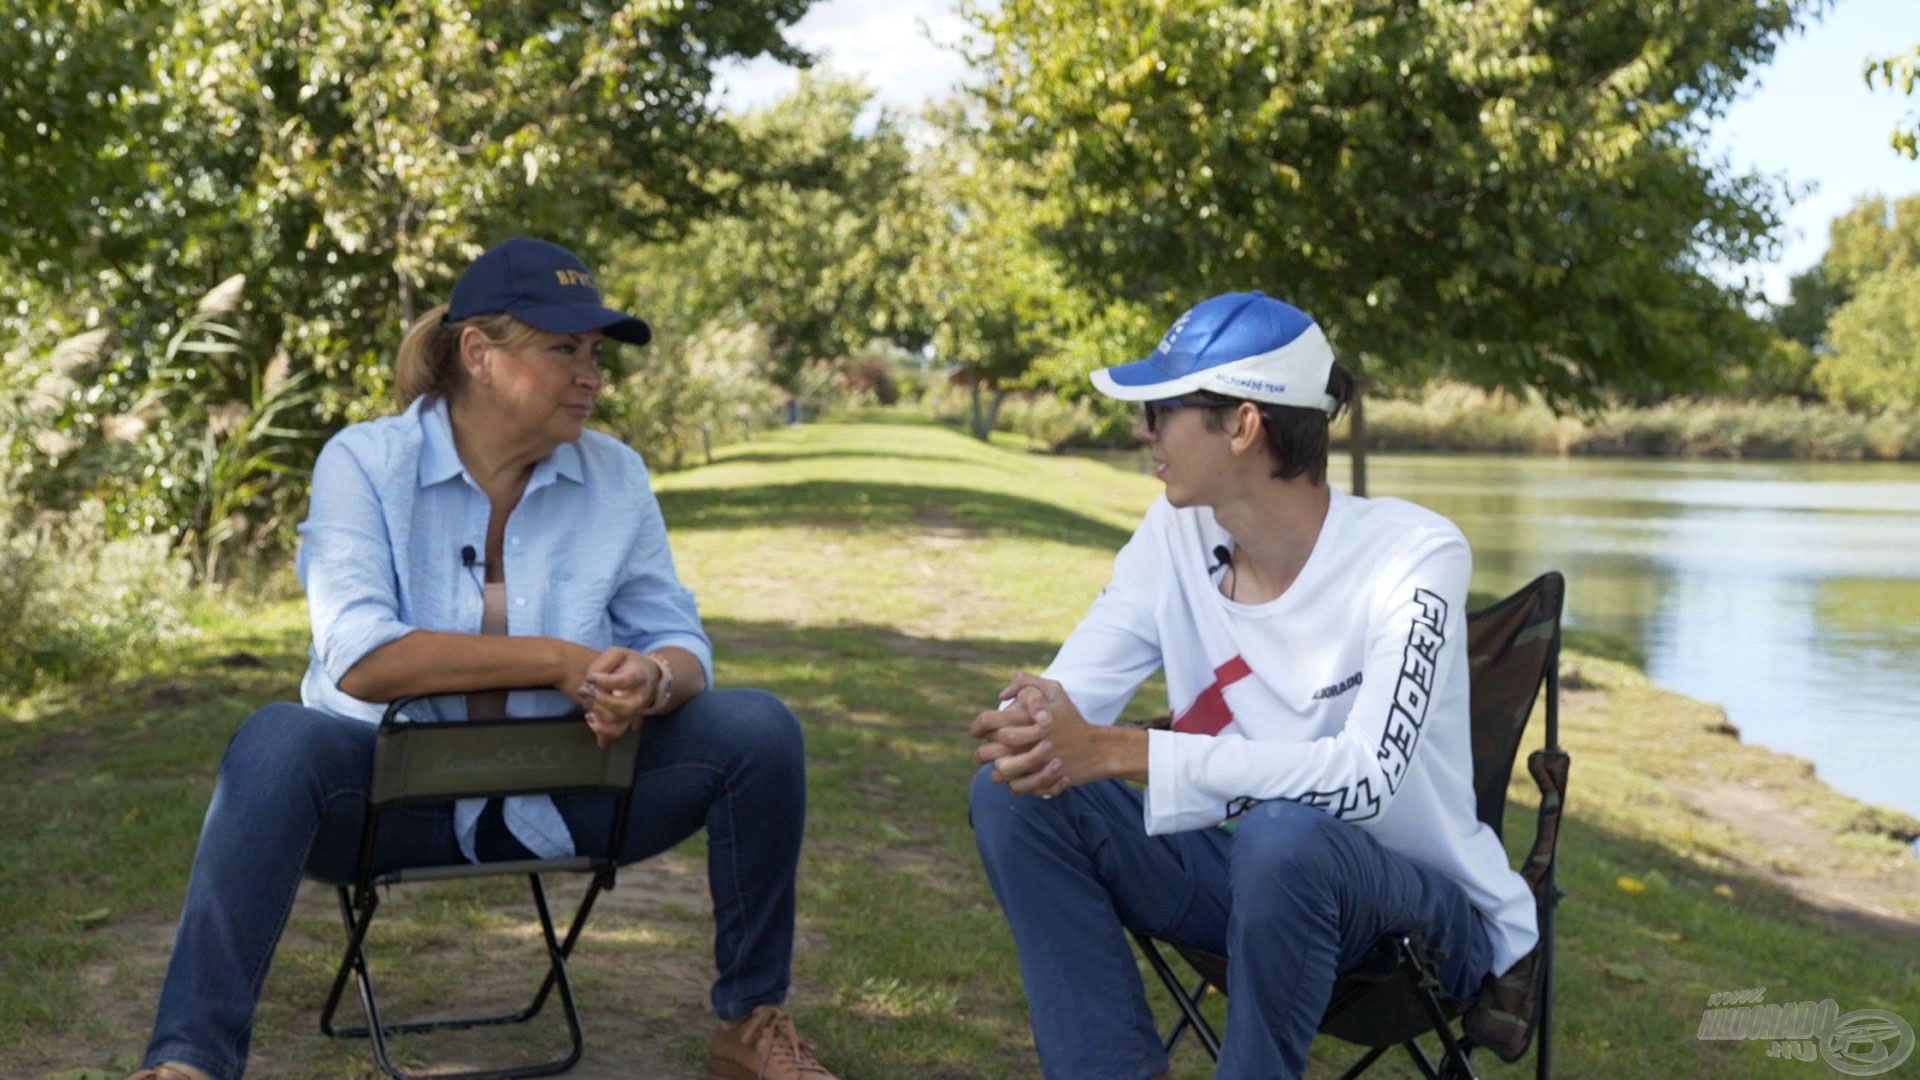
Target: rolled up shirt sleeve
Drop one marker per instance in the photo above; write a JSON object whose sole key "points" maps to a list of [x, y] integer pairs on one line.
{"points": [[651, 609], [1416, 651], [346, 565]]}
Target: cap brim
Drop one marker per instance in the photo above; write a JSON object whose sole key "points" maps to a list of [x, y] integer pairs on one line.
{"points": [[1143, 380], [585, 319]]}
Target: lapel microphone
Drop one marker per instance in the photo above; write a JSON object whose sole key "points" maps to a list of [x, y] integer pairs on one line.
{"points": [[470, 558], [1219, 552]]}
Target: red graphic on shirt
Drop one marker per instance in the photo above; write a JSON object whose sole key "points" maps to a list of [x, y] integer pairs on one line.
{"points": [[1209, 714]]}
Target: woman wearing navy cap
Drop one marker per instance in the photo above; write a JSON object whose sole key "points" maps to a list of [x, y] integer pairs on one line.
{"points": [[444, 553]]}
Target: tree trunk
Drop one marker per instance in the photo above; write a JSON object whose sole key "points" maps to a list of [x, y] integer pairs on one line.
{"points": [[983, 423], [993, 412], [1357, 444]]}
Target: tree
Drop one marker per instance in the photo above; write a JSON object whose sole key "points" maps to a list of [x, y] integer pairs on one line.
{"points": [[1874, 235], [806, 249], [347, 158], [1899, 73], [995, 297], [1508, 193], [1875, 358], [1812, 298], [72, 73], [1847, 321]]}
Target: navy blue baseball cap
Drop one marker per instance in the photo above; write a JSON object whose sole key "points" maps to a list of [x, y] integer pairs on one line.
{"points": [[1245, 345], [543, 285]]}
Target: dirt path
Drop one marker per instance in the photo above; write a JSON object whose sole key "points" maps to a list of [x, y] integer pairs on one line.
{"points": [[641, 972], [1795, 852]]}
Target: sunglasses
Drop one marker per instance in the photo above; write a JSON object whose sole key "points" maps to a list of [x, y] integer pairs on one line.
{"points": [[1155, 409]]}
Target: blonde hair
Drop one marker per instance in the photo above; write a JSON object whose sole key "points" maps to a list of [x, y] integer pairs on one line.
{"points": [[429, 359]]}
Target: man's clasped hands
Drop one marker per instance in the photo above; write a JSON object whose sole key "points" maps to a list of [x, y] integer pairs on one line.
{"points": [[1038, 742]]}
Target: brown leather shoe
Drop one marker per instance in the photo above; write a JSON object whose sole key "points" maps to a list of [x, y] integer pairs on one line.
{"points": [[764, 1046]]}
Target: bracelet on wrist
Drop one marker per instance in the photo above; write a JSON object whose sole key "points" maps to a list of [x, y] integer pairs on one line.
{"points": [[662, 690]]}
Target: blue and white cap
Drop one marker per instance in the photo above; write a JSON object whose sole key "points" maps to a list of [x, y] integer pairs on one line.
{"points": [[1245, 345]]}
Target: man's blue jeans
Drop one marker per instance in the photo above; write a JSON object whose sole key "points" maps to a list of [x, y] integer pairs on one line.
{"points": [[1293, 898], [292, 799]]}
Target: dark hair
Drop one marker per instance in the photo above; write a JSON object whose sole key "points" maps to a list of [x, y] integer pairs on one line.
{"points": [[1297, 436]]}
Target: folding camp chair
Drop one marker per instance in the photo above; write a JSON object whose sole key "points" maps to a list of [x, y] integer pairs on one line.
{"points": [[422, 761], [1512, 648]]}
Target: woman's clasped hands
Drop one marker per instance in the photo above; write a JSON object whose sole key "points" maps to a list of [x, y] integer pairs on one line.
{"points": [[618, 688]]}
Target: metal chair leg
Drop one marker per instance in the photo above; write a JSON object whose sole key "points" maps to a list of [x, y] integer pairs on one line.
{"points": [[378, 1032], [1189, 1007]]}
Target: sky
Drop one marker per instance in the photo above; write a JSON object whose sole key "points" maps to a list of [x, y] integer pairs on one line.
{"points": [[1807, 117]]}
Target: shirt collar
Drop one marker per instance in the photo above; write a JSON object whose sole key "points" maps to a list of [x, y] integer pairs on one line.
{"points": [[440, 461]]}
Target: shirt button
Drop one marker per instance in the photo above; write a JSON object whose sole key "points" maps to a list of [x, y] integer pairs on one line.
{"points": [[520, 601], [516, 541]]}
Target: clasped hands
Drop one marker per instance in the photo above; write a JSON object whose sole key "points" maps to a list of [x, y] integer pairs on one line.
{"points": [[1039, 744], [615, 688]]}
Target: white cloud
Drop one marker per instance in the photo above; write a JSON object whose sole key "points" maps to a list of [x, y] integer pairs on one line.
{"points": [[901, 48]]}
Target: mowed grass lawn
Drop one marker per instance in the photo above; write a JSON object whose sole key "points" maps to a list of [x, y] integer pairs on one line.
{"points": [[883, 578]]}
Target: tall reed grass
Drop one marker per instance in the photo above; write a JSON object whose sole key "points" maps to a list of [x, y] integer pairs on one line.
{"points": [[1461, 418]]}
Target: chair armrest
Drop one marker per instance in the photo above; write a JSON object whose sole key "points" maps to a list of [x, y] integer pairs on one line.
{"points": [[1506, 1014], [393, 716]]}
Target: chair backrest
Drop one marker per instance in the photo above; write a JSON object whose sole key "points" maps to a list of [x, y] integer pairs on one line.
{"points": [[434, 760], [491, 758], [1512, 646]]}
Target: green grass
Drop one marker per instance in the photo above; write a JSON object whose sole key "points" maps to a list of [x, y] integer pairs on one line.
{"points": [[883, 578]]}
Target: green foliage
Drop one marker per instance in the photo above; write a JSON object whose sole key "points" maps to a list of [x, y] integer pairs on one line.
{"points": [[198, 455], [1812, 298], [79, 604], [1461, 417], [996, 298], [1875, 360], [806, 248], [1511, 193], [1047, 422], [1899, 73], [74, 76], [1851, 309], [350, 158], [1875, 234], [345, 160], [1784, 369], [693, 391], [1452, 416]]}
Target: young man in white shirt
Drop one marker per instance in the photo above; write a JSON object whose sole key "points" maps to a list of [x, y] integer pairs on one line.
{"points": [[1316, 787]]}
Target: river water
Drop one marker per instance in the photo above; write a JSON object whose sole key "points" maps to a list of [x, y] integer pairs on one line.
{"points": [[1787, 592]]}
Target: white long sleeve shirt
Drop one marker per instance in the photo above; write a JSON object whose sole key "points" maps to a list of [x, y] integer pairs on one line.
{"points": [[1348, 691]]}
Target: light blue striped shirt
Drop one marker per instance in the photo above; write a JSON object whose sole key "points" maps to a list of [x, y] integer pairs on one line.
{"points": [[380, 556]]}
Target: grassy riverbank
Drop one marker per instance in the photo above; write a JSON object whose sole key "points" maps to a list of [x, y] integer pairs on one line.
{"points": [[1464, 419], [883, 578], [1454, 417]]}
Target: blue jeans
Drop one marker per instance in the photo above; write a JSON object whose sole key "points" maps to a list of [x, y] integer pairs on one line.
{"points": [[291, 800], [1293, 898]]}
